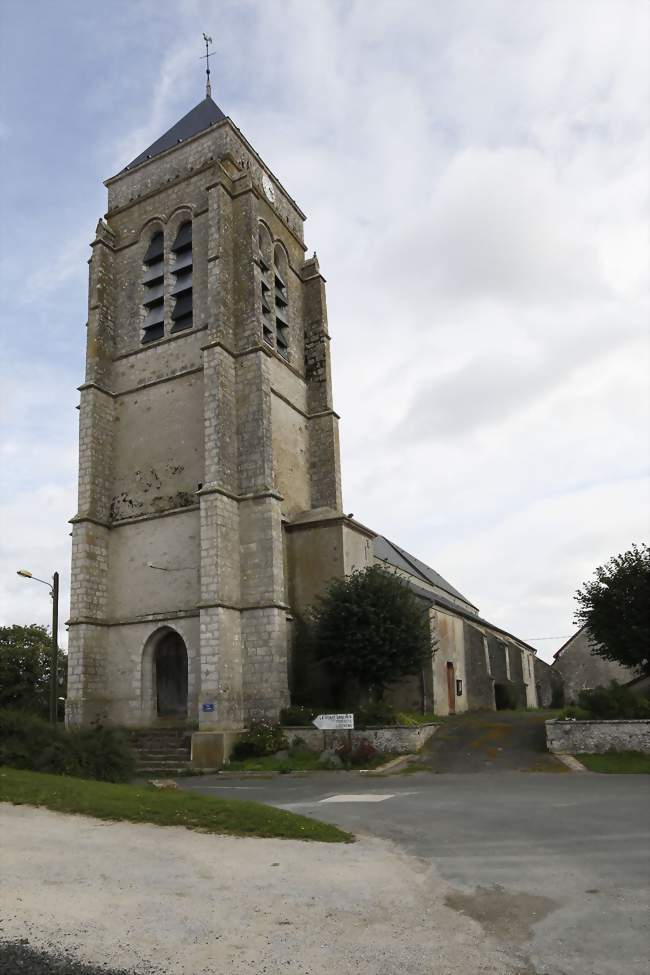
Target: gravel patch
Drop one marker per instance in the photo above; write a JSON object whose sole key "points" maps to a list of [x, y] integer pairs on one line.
{"points": [[124, 898]]}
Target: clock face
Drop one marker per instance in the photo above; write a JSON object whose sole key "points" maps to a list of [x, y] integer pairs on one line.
{"points": [[267, 186]]}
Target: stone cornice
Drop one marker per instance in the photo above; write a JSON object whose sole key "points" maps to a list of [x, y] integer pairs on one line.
{"points": [[146, 618], [252, 496], [155, 345], [331, 522]]}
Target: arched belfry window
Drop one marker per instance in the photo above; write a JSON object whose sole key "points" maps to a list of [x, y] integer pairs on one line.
{"points": [[281, 300], [153, 281], [265, 259], [182, 270]]}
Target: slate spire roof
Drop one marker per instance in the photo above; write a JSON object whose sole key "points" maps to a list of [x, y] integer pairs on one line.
{"points": [[201, 117]]}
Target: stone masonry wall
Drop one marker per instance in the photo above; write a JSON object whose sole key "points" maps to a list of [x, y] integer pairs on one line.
{"points": [[401, 741], [596, 737]]}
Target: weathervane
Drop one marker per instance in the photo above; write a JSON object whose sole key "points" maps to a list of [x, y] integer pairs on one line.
{"points": [[208, 54]]}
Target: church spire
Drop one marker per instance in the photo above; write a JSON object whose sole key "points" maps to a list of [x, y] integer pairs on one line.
{"points": [[208, 54]]}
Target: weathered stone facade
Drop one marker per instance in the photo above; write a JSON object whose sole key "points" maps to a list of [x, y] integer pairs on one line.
{"points": [[200, 449], [579, 668]]}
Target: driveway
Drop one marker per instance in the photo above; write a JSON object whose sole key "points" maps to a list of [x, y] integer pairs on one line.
{"points": [[554, 869], [483, 741]]}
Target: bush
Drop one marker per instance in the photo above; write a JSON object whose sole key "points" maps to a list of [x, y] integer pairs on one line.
{"points": [[369, 629], [613, 702], [361, 754], [262, 738], [28, 742], [297, 716], [375, 713], [574, 713]]}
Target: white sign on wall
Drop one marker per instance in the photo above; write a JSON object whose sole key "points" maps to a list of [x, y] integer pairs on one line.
{"points": [[334, 722]]}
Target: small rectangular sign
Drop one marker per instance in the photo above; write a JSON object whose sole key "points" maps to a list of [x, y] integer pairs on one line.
{"points": [[207, 706], [334, 722]]}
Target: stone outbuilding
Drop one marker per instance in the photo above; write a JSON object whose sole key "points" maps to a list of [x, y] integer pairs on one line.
{"points": [[580, 669]]}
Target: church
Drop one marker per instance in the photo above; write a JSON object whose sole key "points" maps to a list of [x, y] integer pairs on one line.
{"points": [[209, 507]]}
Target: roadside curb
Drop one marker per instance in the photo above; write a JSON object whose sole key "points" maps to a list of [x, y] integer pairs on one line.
{"points": [[571, 763]]}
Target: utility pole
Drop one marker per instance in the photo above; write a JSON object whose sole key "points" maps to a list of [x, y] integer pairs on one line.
{"points": [[54, 659]]}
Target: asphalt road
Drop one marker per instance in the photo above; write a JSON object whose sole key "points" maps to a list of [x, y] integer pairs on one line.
{"points": [[556, 865]]}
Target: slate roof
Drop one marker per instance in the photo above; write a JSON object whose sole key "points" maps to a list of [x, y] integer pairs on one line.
{"points": [[389, 552], [202, 116], [436, 600]]}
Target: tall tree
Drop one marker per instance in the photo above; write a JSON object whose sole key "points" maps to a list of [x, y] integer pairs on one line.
{"points": [[615, 607], [370, 629], [25, 667]]}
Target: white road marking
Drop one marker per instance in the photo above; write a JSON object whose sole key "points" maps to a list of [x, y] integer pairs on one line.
{"points": [[219, 788], [360, 797]]}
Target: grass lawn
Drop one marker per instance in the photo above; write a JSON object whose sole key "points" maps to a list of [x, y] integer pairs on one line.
{"points": [[636, 762], [416, 717], [144, 804]]}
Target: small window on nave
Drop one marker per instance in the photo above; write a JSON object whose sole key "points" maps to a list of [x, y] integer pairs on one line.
{"points": [[153, 281]]}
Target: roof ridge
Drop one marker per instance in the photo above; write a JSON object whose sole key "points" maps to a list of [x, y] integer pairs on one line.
{"points": [[199, 119]]}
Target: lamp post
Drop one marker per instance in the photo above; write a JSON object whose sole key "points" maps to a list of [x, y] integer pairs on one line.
{"points": [[54, 665]]}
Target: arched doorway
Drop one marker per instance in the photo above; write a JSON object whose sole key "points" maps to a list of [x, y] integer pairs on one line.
{"points": [[170, 676]]}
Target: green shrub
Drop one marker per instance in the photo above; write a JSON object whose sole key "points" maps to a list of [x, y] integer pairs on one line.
{"points": [[575, 713], [102, 753], [297, 716], [375, 713], [262, 738], [406, 720], [613, 702], [361, 754], [28, 742]]}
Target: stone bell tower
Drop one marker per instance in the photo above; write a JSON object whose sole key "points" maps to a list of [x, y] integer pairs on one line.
{"points": [[207, 437]]}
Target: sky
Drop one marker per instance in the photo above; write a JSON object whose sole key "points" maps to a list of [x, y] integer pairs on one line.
{"points": [[475, 176]]}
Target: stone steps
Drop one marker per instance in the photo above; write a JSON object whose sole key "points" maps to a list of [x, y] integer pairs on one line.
{"points": [[162, 750]]}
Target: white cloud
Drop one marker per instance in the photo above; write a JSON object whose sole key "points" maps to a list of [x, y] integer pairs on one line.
{"points": [[476, 181]]}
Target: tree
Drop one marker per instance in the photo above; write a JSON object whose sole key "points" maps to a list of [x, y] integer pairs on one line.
{"points": [[615, 607], [25, 667], [370, 629]]}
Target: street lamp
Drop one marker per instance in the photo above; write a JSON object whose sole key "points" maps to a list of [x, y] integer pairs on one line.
{"points": [[54, 593]]}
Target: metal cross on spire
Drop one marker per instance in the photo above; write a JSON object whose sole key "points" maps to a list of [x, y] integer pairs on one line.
{"points": [[208, 54]]}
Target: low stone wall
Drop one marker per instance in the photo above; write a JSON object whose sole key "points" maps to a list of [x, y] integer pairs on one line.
{"points": [[589, 737], [396, 739]]}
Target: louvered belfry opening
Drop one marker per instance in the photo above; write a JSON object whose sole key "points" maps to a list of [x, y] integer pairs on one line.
{"points": [[154, 281], [280, 275], [264, 242], [182, 271]]}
